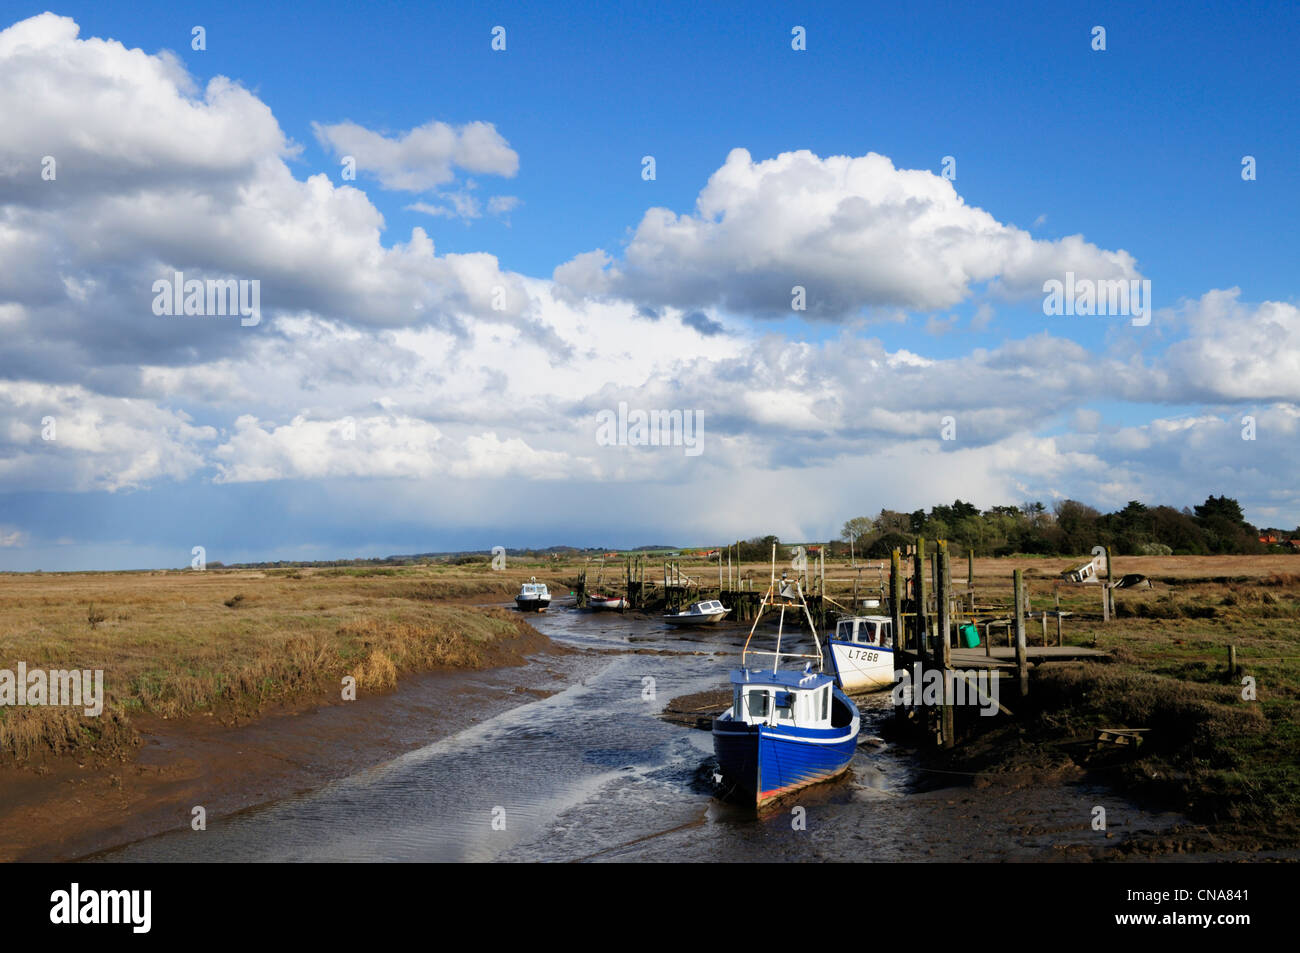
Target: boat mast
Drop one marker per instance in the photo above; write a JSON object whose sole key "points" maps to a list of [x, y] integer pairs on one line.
{"points": [[781, 598]]}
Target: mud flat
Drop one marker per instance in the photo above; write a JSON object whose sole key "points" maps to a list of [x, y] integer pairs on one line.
{"points": [[63, 807]]}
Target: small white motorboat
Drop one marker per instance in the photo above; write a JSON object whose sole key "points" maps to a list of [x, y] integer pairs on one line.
{"points": [[700, 613], [533, 596], [862, 653]]}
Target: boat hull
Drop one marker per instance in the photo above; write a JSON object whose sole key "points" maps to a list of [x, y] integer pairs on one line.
{"points": [[762, 763], [862, 668], [596, 602], [532, 605], [710, 619]]}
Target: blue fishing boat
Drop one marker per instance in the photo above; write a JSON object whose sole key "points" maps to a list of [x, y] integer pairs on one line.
{"points": [[786, 728]]}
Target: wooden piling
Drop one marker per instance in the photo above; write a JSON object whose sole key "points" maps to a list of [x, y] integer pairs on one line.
{"points": [[942, 582], [918, 585], [896, 598], [1022, 654]]}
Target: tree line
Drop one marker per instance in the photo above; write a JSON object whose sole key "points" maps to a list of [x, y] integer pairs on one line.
{"points": [[1217, 526]]}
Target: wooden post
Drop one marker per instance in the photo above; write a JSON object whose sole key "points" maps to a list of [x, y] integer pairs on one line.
{"points": [[896, 599], [1110, 591], [1045, 627], [945, 646], [1022, 655], [1232, 662], [970, 578], [918, 594], [942, 590]]}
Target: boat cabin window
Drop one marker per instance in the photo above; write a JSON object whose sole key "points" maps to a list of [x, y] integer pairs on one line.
{"points": [[887, 633], [862, 632], [785, 705], [826, 702], [757, 707]]}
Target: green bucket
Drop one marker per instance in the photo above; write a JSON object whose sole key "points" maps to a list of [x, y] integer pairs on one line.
{"points": [[970, 636]]}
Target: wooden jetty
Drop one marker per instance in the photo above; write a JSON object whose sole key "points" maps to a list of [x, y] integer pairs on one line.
{"points": [[924, 640], [674, 589]]}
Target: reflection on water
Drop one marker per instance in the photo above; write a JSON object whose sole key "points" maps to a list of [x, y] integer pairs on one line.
{"points": [[594, 773]]}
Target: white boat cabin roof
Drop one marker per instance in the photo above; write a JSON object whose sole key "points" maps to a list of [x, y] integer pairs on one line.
{"points": [[533, 589], [783, 678], [798, 699], [863, 628], [705, 608]]}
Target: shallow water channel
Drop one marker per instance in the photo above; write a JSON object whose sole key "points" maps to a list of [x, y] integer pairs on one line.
{"points": [[592, 772]]}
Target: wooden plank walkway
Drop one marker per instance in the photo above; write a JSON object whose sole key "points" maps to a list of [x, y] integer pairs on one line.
{"points": [[1003, 657]]}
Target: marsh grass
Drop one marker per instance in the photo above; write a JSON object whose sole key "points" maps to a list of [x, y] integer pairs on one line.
{"points": [[173, 644]]}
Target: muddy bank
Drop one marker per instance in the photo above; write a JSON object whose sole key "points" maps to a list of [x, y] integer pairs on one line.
{"points": [[697, 710], [1042, 790], [66, 806]]}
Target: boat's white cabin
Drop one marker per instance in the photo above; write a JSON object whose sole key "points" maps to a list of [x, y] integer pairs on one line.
{"points": [[866, 630], [536, 589], [706, 608], [795, 699]]}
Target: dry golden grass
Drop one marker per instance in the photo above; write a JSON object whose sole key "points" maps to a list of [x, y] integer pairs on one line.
{"points": [[174, 643]]}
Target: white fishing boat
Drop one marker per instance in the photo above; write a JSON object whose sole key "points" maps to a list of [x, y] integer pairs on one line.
{"points": [[599, 600], [862, 653], [533, 596], [786, 728], [699, 613]]}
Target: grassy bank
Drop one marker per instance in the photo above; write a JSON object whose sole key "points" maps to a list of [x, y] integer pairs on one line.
{"points": [[232, 643]]}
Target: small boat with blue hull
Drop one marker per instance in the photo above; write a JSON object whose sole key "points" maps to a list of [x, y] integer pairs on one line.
{"points": [[786, 728], [862, 653], [793, 729]]}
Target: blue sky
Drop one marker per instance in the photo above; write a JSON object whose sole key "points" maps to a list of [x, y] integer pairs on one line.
{"points": [[1137, 149]]}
